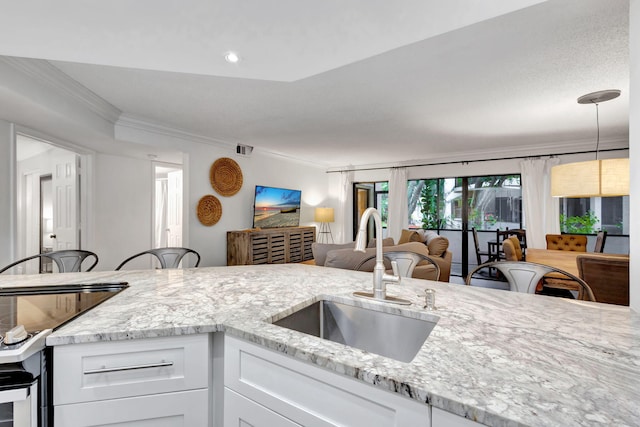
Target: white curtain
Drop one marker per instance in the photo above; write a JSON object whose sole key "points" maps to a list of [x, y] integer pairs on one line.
{"points": [[345, 202], [398, 215], [541, 211]]}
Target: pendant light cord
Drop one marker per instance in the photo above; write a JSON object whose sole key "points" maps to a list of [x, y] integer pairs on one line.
{"points": [[598, 131]]}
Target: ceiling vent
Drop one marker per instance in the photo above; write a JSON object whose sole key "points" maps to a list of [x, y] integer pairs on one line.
{"points": [[244, 150]]}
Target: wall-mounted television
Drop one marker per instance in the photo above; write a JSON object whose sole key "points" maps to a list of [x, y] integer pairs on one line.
{"points": [[276, 207]]}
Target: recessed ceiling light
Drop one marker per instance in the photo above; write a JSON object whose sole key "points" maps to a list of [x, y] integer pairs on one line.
{"points": [[231, 57]]}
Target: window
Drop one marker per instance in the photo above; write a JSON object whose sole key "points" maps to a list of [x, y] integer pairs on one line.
{"points": [[483, 202], [589, 215], [491, 202]]}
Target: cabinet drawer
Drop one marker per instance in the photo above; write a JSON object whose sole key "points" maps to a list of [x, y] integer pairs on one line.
{"points": [[240, 411], [185, 408], [114, 369], [310, 395]]}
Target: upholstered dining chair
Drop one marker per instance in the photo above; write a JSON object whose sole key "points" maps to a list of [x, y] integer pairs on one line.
{"points": [[567, 242], [510, 251], [66, 260], [524, 276], [168, 257]]}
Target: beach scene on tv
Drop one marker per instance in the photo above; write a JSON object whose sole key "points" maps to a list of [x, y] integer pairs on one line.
{"points": [[276, 207]]}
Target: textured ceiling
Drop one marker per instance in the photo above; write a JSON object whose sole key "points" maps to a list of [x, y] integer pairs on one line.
{"points": [[396, 93]]}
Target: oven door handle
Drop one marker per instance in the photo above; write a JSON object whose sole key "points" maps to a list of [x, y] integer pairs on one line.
{"points": [[105, 370]]}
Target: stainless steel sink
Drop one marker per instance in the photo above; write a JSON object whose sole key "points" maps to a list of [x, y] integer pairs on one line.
{"points": [[389, 335]]}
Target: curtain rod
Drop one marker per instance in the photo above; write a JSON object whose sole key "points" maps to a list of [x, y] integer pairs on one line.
{"points": [[475, 161]]}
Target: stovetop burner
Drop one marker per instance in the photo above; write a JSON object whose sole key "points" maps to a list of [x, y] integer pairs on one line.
{"points": [[42, 309]]}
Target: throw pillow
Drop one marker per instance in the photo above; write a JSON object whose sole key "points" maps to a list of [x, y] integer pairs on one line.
{"points": [[409, 236], [438, 246]]}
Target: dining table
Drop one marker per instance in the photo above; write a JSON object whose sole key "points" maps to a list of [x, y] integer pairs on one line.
{"points": [[564, 260]]}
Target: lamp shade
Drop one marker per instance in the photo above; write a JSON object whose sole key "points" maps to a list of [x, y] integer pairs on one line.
{"points": [[595, 178], [323, 215]]}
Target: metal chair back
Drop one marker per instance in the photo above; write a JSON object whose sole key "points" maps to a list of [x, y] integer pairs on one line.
{"points": [[524, 276], [67, 260], [168, 257], [406, 262]]}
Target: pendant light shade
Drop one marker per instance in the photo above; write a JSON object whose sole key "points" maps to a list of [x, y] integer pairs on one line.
{"points": [[595, 178]]}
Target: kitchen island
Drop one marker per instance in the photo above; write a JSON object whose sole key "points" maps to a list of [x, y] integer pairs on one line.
{"points": [[496, 357]]}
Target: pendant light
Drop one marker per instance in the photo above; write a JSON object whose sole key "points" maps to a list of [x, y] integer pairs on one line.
{"points": [[595, 178]]}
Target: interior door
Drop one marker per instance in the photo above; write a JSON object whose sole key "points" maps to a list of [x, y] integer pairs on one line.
{"points": [[65, 181]]}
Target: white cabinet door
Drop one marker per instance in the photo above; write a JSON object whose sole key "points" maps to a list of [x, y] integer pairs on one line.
{"points": [[312, 396], [240, 411], [180, 409], [440, 418]]}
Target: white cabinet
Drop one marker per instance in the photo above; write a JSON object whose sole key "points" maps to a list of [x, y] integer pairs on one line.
{"points": [[161, 379], [295, 393]]}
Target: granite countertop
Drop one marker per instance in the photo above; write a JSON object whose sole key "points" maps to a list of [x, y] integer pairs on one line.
{"points": [[501, 358]]}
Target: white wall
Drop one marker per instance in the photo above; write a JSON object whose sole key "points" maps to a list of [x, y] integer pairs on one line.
{"points": [[7, 173], [634, 145], [123, 219], [237, 211]]}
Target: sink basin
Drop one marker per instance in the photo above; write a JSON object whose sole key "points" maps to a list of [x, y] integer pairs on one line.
{"points": [[390, 335]]}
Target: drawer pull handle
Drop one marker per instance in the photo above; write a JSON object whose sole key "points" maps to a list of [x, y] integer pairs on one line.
{"points": [[104, 370]]}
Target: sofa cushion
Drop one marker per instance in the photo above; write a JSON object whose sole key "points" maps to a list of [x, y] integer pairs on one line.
{"points": [[387, 241], [350, 260], [320, 250]]}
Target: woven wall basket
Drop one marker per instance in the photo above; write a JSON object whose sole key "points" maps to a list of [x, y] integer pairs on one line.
{"points": [[226, 176], [209, 210]]}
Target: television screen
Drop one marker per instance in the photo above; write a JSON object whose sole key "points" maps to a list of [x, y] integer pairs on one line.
{"points": [[276, 207]]}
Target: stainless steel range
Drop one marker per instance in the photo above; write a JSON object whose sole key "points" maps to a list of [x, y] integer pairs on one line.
{"points": [[27, 316]]}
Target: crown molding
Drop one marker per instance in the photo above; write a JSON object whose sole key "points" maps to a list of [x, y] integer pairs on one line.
{"points": [[551, 149], [42, 71], [146, 125]]}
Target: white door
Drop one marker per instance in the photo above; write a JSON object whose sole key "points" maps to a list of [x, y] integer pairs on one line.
{"points": [[174, 208], [65, 200]]}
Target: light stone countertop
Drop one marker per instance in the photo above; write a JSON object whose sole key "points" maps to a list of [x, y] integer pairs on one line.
{"points": [[497, 357]]}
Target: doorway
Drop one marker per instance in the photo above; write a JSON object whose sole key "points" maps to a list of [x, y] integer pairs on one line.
{"points": [[168, 198], [48, 196], [370, 195]]}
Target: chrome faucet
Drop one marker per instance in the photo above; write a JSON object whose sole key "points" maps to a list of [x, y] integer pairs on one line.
{"points": [[380, 277]]}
